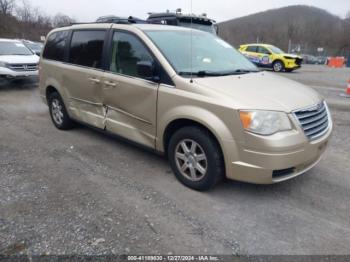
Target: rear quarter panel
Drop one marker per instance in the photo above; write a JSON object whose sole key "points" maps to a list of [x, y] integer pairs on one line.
{"points": [[51, 74]]}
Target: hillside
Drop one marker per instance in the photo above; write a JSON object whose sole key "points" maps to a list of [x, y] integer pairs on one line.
{"points": [[305, 26]]}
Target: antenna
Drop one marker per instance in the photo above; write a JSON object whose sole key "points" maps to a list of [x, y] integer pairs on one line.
{"points": [[191, 45]]}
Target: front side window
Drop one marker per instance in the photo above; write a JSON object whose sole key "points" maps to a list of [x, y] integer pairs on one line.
{"points": [[86, 48], [127, 51], [199, 52], [276, 50], [55, 46], [263, 50]]}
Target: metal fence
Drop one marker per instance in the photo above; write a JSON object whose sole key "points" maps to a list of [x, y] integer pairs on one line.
{"points": [[318, 50]]}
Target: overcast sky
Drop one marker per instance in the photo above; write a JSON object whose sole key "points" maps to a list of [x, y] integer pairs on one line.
{"points": [[220, 10]]}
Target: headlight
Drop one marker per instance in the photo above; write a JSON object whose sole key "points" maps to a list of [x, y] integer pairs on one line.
{"points": [[2, 64], [265, 122]]}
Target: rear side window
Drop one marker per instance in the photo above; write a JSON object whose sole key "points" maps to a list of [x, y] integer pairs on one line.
{"points": [[251, 49], [55, 46], [86, 48]]}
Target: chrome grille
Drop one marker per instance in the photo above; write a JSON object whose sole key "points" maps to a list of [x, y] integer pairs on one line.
{"points": [[298, 61], [314, 120], [23, 67]]}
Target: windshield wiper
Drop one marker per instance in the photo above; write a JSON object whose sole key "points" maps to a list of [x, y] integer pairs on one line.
{"points": [[242, 71], [204, 73]]}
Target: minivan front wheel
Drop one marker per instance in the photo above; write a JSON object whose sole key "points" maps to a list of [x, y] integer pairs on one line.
{"points": [[58, 112], [196, 158]]}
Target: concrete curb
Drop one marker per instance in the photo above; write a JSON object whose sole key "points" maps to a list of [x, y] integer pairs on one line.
{"points": [[339, 104]]}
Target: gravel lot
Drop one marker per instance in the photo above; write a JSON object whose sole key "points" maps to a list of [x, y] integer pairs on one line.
{"points": [[82, 192]]}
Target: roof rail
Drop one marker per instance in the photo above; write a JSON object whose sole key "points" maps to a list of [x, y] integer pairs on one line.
{"points": [[120, 20], [114, 20]]}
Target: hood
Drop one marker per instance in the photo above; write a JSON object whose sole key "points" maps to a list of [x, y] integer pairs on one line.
{"points": [[19, 59], [263, 91], [290, 55]]}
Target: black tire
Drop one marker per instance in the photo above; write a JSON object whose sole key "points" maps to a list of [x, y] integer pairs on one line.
{"points": [[66, 123], [215, 167], [278, 66]]}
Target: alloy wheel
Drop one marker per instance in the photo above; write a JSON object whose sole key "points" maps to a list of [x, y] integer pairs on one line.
{"points": [[277, 67], [56, 111], [191, 160]]}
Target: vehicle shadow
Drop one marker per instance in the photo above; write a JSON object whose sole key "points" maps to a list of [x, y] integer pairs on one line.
{"points": [[246, 191], [221, 191], [18, 84]]}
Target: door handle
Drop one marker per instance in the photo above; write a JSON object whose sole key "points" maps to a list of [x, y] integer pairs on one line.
{"points": [[111, 84], [95, 80]]}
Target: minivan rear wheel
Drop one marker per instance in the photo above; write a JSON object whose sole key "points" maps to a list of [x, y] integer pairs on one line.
{"points": [[196, 158], [58, 112]]}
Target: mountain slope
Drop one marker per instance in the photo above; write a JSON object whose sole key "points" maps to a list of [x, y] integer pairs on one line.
{"points": [[305, 26]]}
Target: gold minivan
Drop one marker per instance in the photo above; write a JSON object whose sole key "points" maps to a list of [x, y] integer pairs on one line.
{"points": [[187, 94]]}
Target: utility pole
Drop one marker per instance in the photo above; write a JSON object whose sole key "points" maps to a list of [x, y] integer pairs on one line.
{"points": [[289, 46]]}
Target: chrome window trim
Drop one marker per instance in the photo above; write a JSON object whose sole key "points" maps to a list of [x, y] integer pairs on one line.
{"points": [[132, 77]]}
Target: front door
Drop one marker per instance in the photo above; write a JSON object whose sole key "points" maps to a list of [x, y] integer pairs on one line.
{"points": [[131, 100], [265, 57]]}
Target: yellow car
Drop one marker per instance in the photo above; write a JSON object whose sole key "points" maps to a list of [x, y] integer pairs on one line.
{"points": [[269, 56]]}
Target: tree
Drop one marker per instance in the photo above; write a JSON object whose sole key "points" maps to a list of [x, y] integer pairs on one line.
{"points": [[25, 12], [61, 20], [7, 6]]}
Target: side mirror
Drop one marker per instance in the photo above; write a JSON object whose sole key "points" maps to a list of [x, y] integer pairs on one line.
{"points": [[146, 70]]}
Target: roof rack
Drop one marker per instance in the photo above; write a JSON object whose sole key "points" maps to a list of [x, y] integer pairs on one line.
{"points": [[178, 14]]}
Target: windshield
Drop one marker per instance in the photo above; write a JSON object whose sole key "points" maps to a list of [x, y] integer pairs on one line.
{"points": [[199, 26], [276, 50], [209, 53], [14, 48]]}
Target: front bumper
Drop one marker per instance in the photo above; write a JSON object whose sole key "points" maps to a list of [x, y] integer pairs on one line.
{"points": [[284, 156], [292, 64], [8, 73]]}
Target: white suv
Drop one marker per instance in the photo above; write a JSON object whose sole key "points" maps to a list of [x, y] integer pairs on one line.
{"points": [[16, 60]]}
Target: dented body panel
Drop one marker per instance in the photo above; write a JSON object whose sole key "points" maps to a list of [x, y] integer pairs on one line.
{"points": [[131, 108]]}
